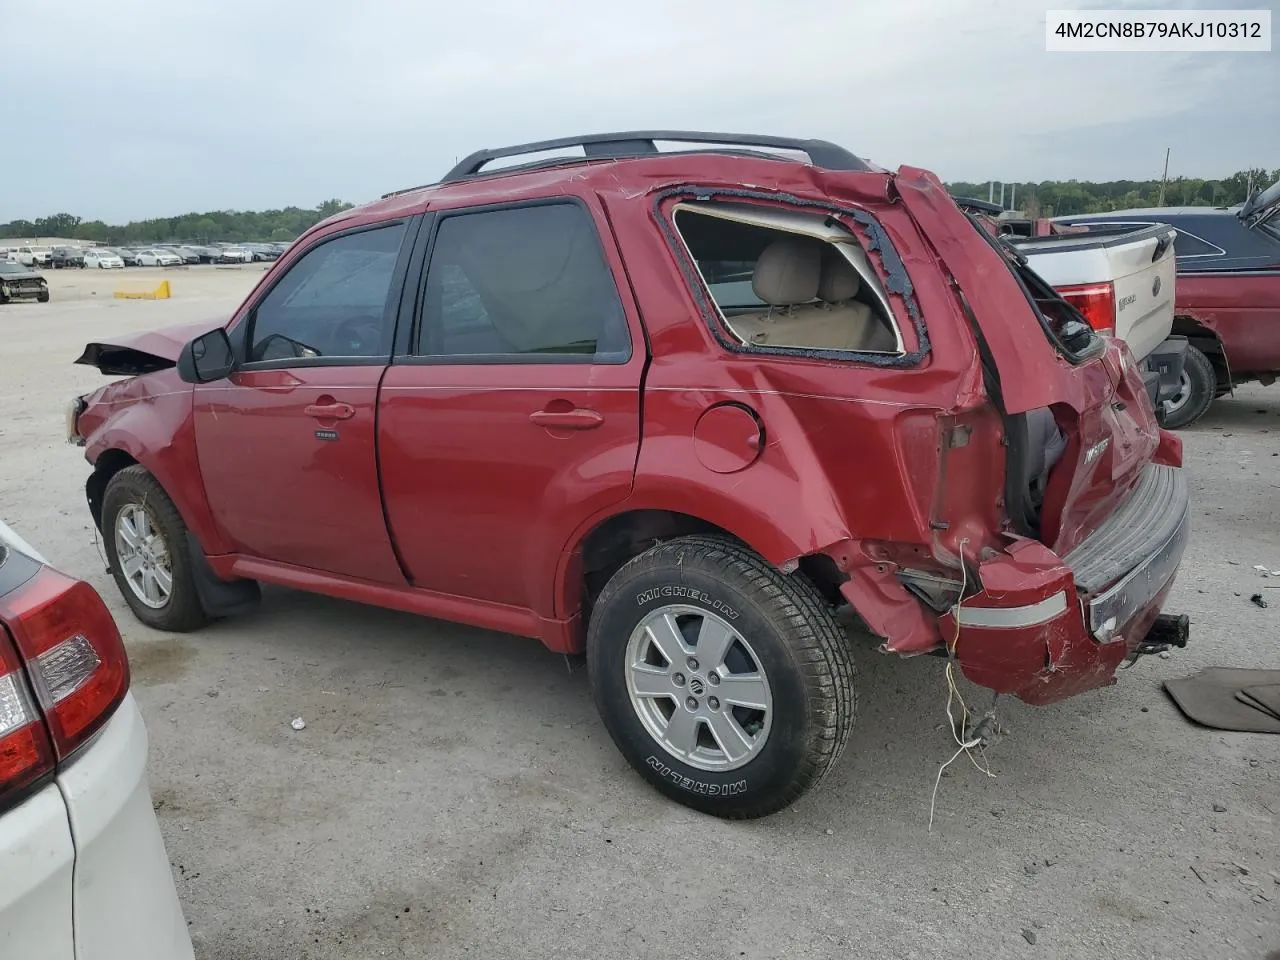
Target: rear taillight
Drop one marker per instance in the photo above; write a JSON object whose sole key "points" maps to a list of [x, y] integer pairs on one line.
{"points": [[25, 751], [1096, 303], [73, 653]]}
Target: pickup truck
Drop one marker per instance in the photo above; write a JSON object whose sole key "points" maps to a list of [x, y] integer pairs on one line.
{"points": [[1228, 300], [536, 399], [1122, 283], [33, 256]]}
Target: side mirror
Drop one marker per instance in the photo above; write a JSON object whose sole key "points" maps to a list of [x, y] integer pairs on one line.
{"points": [[207, 358]]}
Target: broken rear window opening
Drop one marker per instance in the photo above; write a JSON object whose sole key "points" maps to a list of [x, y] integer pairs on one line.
{"points": [[1065, 326], [787, 280]]}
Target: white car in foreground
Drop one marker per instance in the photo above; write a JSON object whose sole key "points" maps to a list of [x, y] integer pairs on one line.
{"points": [[158, 258], [83, 870], [104, 259]]}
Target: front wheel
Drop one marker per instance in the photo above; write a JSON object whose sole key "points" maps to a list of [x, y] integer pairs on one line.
{"points": [[725, 683], [42, 297], [1196, 390], [146, 551]]}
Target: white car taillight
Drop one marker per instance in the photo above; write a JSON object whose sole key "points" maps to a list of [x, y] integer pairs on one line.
{"points": [[72, 648], [26, 754]]}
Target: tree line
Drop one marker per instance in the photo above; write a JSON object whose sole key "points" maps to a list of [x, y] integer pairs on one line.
{"points": [[1061, 198], [216, 225], [1050, 198]]}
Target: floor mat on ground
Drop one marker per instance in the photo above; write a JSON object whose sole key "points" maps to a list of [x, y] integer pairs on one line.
{"points": [[1209, 698], [1265, 697]]}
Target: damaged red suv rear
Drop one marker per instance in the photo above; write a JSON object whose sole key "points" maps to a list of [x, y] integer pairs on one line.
{"points": [[673, 409]]}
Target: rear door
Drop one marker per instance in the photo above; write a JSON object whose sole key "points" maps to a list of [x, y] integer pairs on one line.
{"points": [[286, 444], [514, 414]]}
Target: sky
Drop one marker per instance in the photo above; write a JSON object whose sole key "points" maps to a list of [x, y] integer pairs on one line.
{"points": [[130, 109]]}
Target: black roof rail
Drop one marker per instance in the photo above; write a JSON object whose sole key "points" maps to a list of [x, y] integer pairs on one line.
{"points": [[973, 203], [636, 143]]}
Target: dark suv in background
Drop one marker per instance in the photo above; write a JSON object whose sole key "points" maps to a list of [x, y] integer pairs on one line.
{"points": [[67, 257]]}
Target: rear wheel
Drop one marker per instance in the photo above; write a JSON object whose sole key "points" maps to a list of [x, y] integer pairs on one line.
{"points": [[1196, 390], [146, 551], [725, 683]]}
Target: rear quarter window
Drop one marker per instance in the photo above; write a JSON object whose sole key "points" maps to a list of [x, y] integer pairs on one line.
{"points": [[1189, 245]]}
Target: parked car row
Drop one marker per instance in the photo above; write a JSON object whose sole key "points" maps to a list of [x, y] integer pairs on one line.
{"points": [[155, 255]]}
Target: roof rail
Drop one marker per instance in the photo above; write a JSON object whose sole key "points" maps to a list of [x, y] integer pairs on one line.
{"points": [[637, 143], [973, 203]]}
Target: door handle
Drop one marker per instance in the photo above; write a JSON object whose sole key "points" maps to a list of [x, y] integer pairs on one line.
{"points": [[573, 419], [330, 411]]}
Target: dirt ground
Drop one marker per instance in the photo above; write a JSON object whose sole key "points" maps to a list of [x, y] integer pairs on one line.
{"points": [[453, 793]]}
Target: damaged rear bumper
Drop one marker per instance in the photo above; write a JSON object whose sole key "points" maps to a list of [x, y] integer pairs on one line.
{"points": [[1125, 564], [1045, 627]]}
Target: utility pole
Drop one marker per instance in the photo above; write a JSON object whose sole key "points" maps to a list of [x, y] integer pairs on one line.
{"points": [[1013, 197], [991, 191], [1165, 176]]}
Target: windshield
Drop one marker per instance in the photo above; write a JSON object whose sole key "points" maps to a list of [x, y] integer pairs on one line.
{"points": [[8, 266]]}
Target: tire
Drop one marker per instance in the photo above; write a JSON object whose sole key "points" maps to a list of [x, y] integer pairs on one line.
{"points": [[42, 297], [779, 628], [1199, 387], [136, 493]]}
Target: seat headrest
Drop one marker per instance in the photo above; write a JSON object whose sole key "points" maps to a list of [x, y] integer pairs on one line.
{"points": [[788, 270], [840, 279]]}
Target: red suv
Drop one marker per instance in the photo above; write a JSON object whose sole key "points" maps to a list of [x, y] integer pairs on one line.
{"points": [[672, 410]]}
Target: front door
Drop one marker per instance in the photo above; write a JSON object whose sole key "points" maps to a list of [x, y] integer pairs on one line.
{"points": [[516, 414], [287, 443]]}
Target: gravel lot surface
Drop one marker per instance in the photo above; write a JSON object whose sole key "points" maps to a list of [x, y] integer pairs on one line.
{"points": [[453, 793]]}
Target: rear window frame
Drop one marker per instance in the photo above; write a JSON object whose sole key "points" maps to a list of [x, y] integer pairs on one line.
{"points": [[894, 276]]}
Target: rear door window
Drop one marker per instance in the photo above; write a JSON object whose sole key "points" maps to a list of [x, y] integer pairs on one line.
{"points": [[522, 283]]}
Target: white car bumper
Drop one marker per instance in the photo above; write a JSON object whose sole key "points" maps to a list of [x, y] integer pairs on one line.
{"points": [[84, 874]]}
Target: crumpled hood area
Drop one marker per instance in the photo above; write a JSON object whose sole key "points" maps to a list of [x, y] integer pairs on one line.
{"points": [[137, 353]]}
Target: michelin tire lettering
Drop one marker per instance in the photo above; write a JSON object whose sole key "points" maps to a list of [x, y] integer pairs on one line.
{"points": [[696, 786], [687, 593]]}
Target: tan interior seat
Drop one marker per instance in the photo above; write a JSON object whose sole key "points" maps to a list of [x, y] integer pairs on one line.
{"points": [[809, 288]]}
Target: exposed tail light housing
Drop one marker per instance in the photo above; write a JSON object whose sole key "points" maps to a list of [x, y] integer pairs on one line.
{"points": [[1096, 302], [63, 672]]}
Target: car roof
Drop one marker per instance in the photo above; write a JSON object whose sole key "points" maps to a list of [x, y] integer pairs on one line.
{"points": [[1152, 213], [610, 159]]}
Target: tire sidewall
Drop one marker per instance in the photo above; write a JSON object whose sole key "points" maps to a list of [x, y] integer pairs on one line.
{"points": [[634, 594]]}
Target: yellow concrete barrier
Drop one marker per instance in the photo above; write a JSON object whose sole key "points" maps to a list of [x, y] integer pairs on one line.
{"points": [[159, 293]]}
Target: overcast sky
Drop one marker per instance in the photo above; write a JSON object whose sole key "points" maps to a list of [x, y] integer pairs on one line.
{"points": [[126, 109]]}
